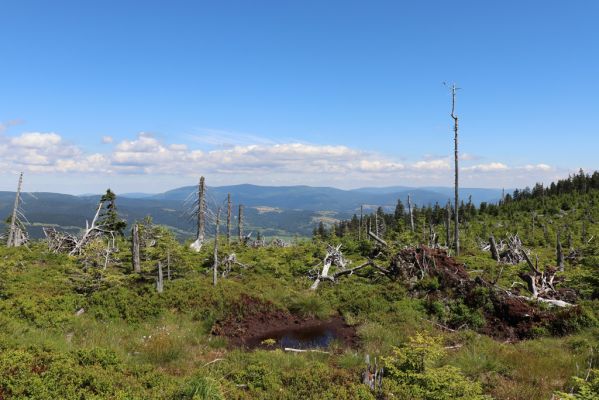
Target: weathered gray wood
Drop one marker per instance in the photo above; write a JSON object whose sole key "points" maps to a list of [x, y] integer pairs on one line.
{"points": [[448, 224], [411, 213], [215, 268], [160, 281], [14, 234], [559, 253], [240, 224], [456, 230], [378, 239], [493, 245], [201, 209], [361, 218], [135, 255], [228, 219]]}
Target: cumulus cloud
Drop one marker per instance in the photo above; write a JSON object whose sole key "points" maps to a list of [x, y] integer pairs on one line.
{"points": [[107, 139], [280, 163], [490, 167]]}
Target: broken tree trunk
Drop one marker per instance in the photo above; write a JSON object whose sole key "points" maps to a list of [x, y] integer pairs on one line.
{"points": [[228, 219], [135, 256], [240, 224], [378, 239], [559, 253], [493, 245], [201, 216], [15, 235], [89, 230], [160, 281], [215, 268], [411, 213], [333, 256], [448, 224], [361, 218], [456, 231]]}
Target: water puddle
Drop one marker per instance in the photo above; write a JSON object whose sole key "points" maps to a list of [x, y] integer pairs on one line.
{"points": [[310, 337]]}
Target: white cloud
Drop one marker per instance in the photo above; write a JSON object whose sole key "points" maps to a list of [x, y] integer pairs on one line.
{"points": [[266, 163], [107, 139], [537, 167], [36, 140], [441, 164], [490, 167]]}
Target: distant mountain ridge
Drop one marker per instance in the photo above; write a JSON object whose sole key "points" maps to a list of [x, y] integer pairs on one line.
{"points": [[298, 208]]}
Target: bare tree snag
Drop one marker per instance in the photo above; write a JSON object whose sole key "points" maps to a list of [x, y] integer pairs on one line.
{"points": [[168, 264], [448, 224], [493, 245], [135, 256], [200, 212], [456, 231], [333, 256], [411, 213], [376, 223], [17, 234], [559, 253], [215, 268], [240, 224], [160, 281], [228, 219], [377, 238], [90, 230], [361, 218]]}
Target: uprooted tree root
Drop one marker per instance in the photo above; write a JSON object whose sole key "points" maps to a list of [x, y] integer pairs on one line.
{"points": [[508, 315]]}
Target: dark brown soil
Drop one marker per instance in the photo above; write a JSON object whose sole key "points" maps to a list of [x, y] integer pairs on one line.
{"points": [[510, 317], [252, 321]]}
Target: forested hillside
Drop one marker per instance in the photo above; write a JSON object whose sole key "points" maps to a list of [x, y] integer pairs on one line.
{"points": [[131, 312]]}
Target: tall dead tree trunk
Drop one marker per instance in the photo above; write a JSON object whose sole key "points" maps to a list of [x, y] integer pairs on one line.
{"points": [[228, 219], [160, 280], [411, 213], [135, 256], [376, 223], [559, 252], [448, 224], [456, 230], [201, 210], [361, 218], [240, 224], [493, 246], [15, 234], [215, 268]]}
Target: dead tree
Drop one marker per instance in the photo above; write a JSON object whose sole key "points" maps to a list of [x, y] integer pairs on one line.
{"points": [[372, 376], [160, 280], [448, 224], [559, 253], [228, 219], [91, 231], [17, 235], [215, 268], [377, 238], [361, 218], [333, 257], [411, 213], [135, 255], [240, 224], [201, 216], [493, 248], [456, 231]]}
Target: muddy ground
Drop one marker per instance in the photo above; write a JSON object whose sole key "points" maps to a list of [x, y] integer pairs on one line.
{"points": [[253, 321]]}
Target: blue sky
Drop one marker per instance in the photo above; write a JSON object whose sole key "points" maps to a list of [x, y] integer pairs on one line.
{"points": [[147, 95]]}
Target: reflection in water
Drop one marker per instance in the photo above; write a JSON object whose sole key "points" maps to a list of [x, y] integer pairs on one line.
{"points": [[319, 336]]}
